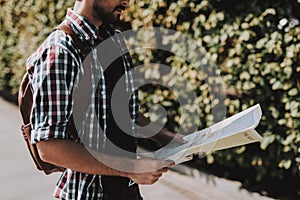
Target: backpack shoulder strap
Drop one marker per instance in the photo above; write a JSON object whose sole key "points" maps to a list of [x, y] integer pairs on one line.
{"points": [[25, 99], [85, 84], [80, 44]]}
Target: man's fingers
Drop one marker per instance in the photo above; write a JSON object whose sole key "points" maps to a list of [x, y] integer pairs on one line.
{"points": [[161, 171], [157, 175], [165, 164], [165, 169], [152, 165], [171, 163], [179, 138]]}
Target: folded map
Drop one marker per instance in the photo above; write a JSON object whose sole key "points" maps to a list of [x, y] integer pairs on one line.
{"points": [[234, 131]]}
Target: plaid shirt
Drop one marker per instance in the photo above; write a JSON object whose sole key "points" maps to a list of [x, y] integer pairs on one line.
{"points": [[56, 68]]}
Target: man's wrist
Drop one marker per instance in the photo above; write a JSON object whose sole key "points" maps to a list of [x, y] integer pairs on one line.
{"points": [[128, 168], [123, 174]]}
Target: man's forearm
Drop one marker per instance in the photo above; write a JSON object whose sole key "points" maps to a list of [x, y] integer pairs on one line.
{"points": [[69, 154]]}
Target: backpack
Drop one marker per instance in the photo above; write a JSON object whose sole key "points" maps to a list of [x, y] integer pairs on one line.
{"points": [[25, 100]]}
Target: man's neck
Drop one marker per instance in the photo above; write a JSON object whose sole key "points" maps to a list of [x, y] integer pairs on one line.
{"points": [[85, 9]]}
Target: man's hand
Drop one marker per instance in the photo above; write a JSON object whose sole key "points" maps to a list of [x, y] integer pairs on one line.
{"points": [[148, 171], [164, 137]]}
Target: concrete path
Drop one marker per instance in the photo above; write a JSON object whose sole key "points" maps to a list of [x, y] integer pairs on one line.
{"points": [[19, 180]]}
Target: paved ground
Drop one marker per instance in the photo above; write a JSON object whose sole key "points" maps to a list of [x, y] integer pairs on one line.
{"points": [[19, 180]]}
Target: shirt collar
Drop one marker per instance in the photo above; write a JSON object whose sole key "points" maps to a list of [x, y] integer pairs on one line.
{"points": [[82, 26]]}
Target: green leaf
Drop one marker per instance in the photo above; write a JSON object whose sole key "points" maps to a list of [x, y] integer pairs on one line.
{"points": [[293, 92], [285, 164], [277, 85]]}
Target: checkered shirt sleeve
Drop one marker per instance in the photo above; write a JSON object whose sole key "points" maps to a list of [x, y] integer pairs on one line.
{"points": [[53, 80]]}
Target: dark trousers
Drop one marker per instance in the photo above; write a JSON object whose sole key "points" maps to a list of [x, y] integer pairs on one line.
{"points": [[116, 188]]}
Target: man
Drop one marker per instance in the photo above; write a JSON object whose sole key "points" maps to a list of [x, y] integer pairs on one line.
{"points": [[93, 171]]}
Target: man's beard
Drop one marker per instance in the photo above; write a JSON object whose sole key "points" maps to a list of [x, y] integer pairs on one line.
{"points": [[106, 16]]}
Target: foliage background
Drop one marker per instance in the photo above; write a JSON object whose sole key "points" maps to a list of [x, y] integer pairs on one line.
{"points": [[255, 44]]}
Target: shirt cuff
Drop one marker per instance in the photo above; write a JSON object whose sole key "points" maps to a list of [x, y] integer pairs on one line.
{"points": [[50, 132]]}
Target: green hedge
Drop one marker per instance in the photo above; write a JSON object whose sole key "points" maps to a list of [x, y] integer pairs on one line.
{"points": [[24, 25], [255, 44]]}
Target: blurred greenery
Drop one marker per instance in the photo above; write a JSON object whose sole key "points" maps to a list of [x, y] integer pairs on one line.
{"points": [[254, 43], [24, 25]]}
